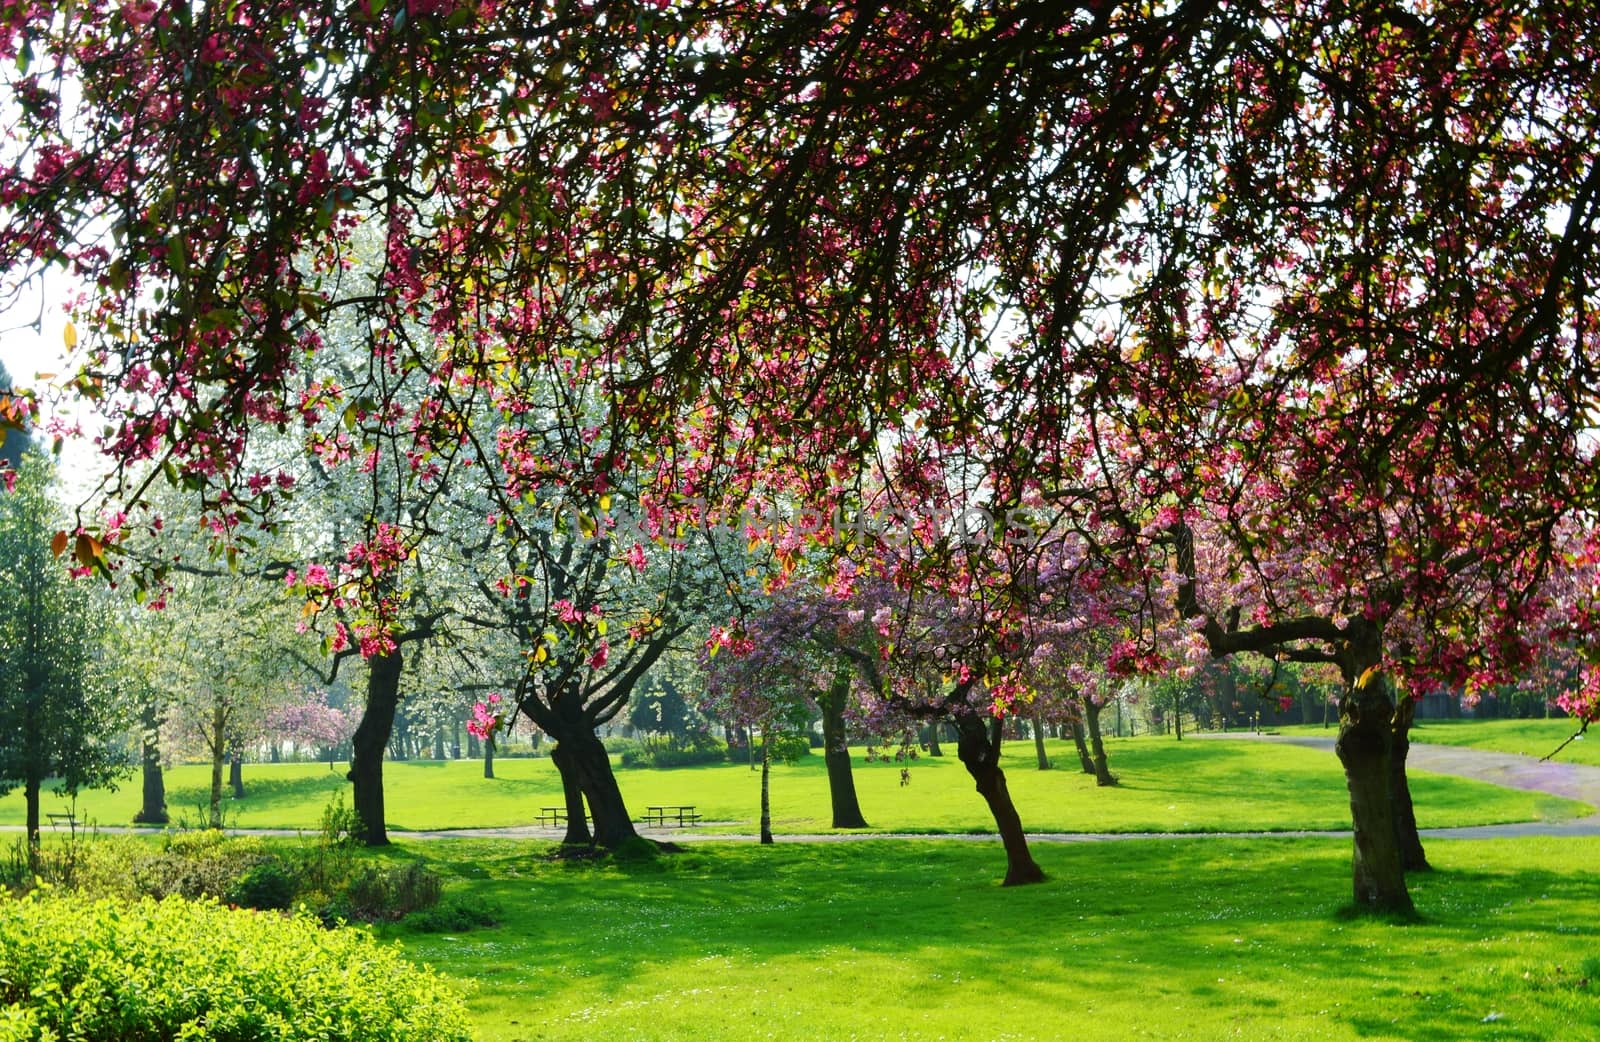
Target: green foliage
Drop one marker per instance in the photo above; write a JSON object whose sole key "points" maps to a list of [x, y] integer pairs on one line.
{"points": [[340, 826], [195, 864], [62, 714], [702, 749], [113, 971], [623, 747], [455, 915], [376, 892], [788, 746], [268, 885]]}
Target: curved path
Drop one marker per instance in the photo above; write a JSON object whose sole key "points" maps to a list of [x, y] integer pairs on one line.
{"points": [[1575, 781], [1571, 780]]}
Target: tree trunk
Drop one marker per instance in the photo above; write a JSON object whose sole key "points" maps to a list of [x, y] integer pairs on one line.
{"points": [[979, 749], [1084, 760], [592, 768], [766, 774], [933, 738], [369, 742], [1412, 855], [1102, 766], [236, 773], [836, 756], [218, 722], [1366, 737], [1038, 739], [154, 804], [488, 758], [30, 793], [577, 820]]}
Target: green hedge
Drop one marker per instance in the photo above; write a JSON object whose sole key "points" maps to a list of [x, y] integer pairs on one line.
{"points": [[154, 971]]}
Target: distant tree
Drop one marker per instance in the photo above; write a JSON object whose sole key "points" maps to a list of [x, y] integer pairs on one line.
{"points": [[309, 720], [61, 716]]}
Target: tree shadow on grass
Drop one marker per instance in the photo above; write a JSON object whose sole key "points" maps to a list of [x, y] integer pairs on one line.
{"points": [[265, 793], [1237, 934]]}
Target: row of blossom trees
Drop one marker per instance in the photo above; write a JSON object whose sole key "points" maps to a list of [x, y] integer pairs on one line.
{"points": [[1275, 321]]}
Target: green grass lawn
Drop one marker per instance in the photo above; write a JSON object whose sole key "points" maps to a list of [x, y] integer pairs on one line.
{"points": [[1534, 738], [1167, 785], [1527, 737], [1157, 939]]}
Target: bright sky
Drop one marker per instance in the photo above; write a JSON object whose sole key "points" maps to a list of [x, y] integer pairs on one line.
{"points": [[27, 351]]}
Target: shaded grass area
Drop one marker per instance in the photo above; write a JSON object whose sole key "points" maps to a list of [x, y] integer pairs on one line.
{"points": [[914, 940], [1167, 786]]}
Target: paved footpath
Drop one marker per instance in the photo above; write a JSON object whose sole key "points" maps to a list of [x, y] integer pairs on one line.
{"points": [[1574, 781]]}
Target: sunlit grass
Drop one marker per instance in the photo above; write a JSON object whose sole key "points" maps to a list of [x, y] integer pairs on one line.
{"points": [[1534, 738], [1214, 939], [1167, 786]]}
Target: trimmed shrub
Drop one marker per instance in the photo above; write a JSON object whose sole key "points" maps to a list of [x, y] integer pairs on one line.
{"points": [[454, 915], [114, 971]]}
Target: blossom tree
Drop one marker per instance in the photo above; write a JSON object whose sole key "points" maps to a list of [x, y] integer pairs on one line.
{"points": [[312, 722], [1339, 256]]}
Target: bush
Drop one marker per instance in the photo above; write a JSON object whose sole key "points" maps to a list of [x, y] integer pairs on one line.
{"points": [[108, 970], [195, 864], [454, 915], [267, 885], [704, 749], [375, 893], [340, 826], [623, 747]]}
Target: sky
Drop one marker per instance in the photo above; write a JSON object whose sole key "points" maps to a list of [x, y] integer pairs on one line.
{"points": [[27, 351]]}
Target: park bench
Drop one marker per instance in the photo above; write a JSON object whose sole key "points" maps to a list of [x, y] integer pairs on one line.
{"points": [[552, 815], [671, 814], [58, 817]]}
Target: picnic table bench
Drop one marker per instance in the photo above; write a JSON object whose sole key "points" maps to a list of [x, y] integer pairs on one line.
{"points": [[675, 814], [58, 816], [552, 815]]}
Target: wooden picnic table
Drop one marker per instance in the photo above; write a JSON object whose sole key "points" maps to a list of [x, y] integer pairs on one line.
{"points": [[666, 814], [57, 817]]}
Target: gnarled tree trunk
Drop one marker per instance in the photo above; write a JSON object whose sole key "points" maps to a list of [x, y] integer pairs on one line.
{"points": [[1412, 855], [577, 819], [979, 749], [1102, 765], [836, 756], [368, 744], [1084, 760], [592, 769], [1365, 748]]}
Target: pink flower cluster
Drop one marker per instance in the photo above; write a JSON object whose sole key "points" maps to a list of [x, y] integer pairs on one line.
{"points": [[488, 718]]}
